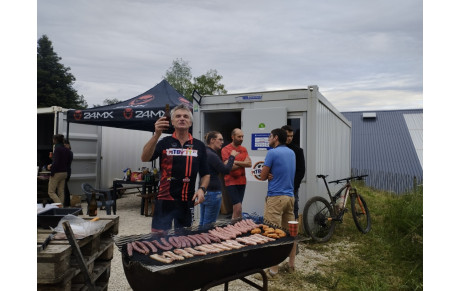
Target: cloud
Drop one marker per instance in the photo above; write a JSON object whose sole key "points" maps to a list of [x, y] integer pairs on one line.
{"points": [[125, 47]]}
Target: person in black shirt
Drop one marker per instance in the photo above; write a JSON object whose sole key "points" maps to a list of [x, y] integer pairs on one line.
{"points": [[299, 166], [210, 208], [182, 157]]}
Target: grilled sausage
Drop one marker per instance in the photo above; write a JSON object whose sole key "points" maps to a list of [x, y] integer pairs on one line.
{"points": [[220, 235], [185, 240], [205, 237], [150, 245], [138, 248], [197, 241], [191, 242], [161, 246], [143, 246], [173, 241], [213, 238], [199, 238], [165, 242]]}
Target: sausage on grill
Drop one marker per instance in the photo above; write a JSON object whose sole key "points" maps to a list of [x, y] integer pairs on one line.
{"points": [[161, 246], [173, 240], [138, 248], [150, 245]]}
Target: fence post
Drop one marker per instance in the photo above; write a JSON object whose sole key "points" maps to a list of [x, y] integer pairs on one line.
{"points": [[415, 184]]}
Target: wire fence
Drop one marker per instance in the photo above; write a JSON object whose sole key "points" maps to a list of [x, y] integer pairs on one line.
{"points": [[392, 182]]}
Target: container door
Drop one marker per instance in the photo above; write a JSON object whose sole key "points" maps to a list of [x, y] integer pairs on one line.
{"points": [[257, 125], [85, 141]]}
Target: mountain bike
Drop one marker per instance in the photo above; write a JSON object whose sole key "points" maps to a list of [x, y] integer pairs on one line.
{"points": [[320, 216]]}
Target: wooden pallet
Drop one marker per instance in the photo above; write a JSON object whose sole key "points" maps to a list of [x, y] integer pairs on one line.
{"points": [[57, 266]]}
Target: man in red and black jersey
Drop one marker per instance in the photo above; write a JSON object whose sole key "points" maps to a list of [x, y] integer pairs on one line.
{"points": [[182, 157]]}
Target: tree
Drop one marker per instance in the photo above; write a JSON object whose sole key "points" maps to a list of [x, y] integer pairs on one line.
{"points": [[180, 77], [108, 102], [54, 80], [208, 84]]}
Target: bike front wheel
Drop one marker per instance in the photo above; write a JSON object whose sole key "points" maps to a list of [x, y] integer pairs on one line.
{"points": [[360, 213], [317, 219]]}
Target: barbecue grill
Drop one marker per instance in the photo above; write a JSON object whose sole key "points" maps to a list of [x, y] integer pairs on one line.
{"points": [[144, 273]]}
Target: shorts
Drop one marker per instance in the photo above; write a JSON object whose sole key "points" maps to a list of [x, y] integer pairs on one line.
{"points": [[236, 193], [167, 211], [279, 210]]}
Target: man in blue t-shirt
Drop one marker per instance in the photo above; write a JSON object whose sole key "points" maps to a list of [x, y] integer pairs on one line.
{"points": [[279, 169]]}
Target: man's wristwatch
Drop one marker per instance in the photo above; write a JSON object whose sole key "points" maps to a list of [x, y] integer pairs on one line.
{"points": [[203, 188]]}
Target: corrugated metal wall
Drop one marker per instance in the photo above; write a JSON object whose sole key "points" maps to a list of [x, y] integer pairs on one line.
{"points": [[414, 124], [333, 145], [388, 148]]}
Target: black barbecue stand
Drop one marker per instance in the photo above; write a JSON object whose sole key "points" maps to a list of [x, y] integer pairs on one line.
{"points": [[241, 276]]}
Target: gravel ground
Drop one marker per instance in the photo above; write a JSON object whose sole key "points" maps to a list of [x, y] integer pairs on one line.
{"points": [[132, 222]]}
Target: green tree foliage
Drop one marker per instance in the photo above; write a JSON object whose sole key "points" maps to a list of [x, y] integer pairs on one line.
{"points": [[179, 76], [208, 84], [108, 102], [54, 80]]}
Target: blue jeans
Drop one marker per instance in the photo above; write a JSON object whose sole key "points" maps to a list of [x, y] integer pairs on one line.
{"points": [[210, 208]]}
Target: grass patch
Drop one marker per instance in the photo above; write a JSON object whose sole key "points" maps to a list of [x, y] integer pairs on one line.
{"points": [[389, 257]]}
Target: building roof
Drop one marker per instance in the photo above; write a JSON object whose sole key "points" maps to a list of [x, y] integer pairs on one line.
{"points": [[389, 141]]}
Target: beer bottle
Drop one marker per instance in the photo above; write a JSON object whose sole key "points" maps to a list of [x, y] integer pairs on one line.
{"points": [[167, 112], [92, 207]]}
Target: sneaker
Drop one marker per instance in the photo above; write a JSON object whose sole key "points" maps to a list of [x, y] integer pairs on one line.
{"points": [[270, 276], [284, 267]]}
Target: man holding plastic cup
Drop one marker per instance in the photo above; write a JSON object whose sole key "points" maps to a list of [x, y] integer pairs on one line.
{"points": [[279, 170]]}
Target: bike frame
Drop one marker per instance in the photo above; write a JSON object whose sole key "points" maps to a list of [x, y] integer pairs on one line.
{"points": [[347, 187]]}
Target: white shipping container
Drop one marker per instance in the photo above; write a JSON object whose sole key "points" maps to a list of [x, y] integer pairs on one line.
{"points": [[320, 130]]}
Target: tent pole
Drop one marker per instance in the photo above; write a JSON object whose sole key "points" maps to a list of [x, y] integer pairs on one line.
{"points": [[68, 125]]}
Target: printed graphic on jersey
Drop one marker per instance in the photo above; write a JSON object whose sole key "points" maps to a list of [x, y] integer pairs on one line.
{"points": [[182, 152]]}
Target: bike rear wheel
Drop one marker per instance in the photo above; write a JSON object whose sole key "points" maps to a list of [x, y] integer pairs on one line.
{"points": [[360, 213], [317, 219]]}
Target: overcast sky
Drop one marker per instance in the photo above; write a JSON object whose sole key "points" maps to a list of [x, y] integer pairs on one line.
{"points": [[363, 55]]}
